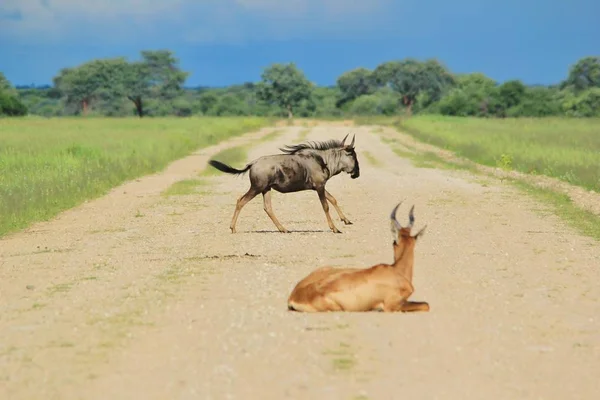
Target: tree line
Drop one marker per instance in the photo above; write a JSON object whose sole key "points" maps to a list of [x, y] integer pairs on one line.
{"points": [[154, 86]]}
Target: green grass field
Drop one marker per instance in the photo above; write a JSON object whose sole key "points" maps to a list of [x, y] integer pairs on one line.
{"points": [[49, 165], [564, 148]]}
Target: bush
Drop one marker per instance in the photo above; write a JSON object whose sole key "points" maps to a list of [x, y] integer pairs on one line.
{"points": [[11, 106], [365, 105]]}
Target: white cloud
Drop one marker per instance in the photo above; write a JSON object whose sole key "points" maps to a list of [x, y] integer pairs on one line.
{"points": [[330, 8], [189, 20]]}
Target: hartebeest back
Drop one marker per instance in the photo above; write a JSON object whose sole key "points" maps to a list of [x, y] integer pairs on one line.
{"points": [[382, 287]]}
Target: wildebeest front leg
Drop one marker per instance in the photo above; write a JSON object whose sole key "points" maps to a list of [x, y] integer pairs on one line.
{"points": [[334, 202], [242, 201], [269, 211], [323, 198]]}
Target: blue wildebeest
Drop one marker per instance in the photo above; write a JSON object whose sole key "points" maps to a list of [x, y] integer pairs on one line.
{"points": [[306, 166]]}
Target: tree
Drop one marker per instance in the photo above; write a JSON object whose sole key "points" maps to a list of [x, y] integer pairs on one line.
{"points": [[511, 93], [473, 95], [5, 85], [230, 105], [207, 102], [585, 74], [410, 78], [355, 83], [10, 103], [537, 102], [475, 81], [583, 104], [91, 81], [157, 75], [284, 85]]}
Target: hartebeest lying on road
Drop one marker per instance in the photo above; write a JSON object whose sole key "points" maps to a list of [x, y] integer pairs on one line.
{"points": [[303, 167], [383, 287]]}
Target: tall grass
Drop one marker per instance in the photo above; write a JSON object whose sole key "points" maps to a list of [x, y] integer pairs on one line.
{"points": [[563, 148], [47, 166]]}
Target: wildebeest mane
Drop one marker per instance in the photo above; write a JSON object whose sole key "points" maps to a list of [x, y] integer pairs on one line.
{"points": [[325, 145]]}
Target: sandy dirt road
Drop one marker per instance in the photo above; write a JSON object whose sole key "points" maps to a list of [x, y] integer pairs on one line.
{"points": [[141, 296]]}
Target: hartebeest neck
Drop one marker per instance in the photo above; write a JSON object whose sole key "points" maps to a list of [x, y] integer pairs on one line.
{"points": [[404, 262]]}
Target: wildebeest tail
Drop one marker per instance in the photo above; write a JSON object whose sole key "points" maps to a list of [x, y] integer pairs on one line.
{"points": [[227, 169]]}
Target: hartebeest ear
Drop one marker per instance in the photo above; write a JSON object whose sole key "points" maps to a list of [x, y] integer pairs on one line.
{"points": [[420, 233]]}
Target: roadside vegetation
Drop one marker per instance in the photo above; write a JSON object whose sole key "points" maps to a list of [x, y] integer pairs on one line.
{"points": [[535, 143], [563, 148], [52, 165]]}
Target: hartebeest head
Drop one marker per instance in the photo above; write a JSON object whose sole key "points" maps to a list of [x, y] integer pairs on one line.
{"points": [[401, 234]]}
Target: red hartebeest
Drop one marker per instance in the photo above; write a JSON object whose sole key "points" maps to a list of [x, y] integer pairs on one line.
{"points": [[382, 287]]}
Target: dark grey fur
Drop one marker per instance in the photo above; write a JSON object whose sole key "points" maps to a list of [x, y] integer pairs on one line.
{"points": [[306, 166]]}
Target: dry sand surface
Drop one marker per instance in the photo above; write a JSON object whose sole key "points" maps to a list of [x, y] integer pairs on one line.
{"points": [[141, 296]]}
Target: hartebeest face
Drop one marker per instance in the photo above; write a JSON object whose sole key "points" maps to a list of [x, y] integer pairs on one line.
{"points": [[402, 235]]}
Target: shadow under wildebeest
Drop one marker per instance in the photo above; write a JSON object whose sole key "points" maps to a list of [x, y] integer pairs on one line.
{"points": [[305, 166]]}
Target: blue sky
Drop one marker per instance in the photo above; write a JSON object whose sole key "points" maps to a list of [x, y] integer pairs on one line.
{"points": [[223, 42]]}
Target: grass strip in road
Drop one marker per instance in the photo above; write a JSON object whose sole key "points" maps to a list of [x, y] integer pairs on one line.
{"points": [[233, 156]]}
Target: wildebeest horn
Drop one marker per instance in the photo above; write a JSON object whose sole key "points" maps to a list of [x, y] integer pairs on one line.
{"points": [[344, 139], [393, 216], [352, 143], [411, 217]]}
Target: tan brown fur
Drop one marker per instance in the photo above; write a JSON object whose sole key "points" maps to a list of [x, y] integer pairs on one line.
{"points": [[382, 287]]}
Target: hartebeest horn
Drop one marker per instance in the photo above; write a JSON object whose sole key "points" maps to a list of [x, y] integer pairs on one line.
{"points": [[393, 216], [411, 217], [352, 143], [344, 139]]}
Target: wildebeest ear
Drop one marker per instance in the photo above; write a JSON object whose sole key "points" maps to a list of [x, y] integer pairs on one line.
{"points": [[351, 145]]}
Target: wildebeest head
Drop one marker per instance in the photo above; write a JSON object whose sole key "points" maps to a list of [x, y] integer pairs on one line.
{"points": [[348, 158], [338, 155]]}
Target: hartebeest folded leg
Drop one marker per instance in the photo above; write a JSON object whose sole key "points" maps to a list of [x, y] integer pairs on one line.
{"points": [[269, 211], [415, 306], [334, 202], [400, 304], [398, 301], [242, 201], [323, 198]]}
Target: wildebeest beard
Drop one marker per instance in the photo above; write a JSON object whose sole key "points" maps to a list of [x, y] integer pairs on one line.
{"points": [[356, 170]]}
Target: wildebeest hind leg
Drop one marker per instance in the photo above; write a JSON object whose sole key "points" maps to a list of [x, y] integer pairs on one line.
{"points": [[334, 202], [242, 201], [269, 210]]}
